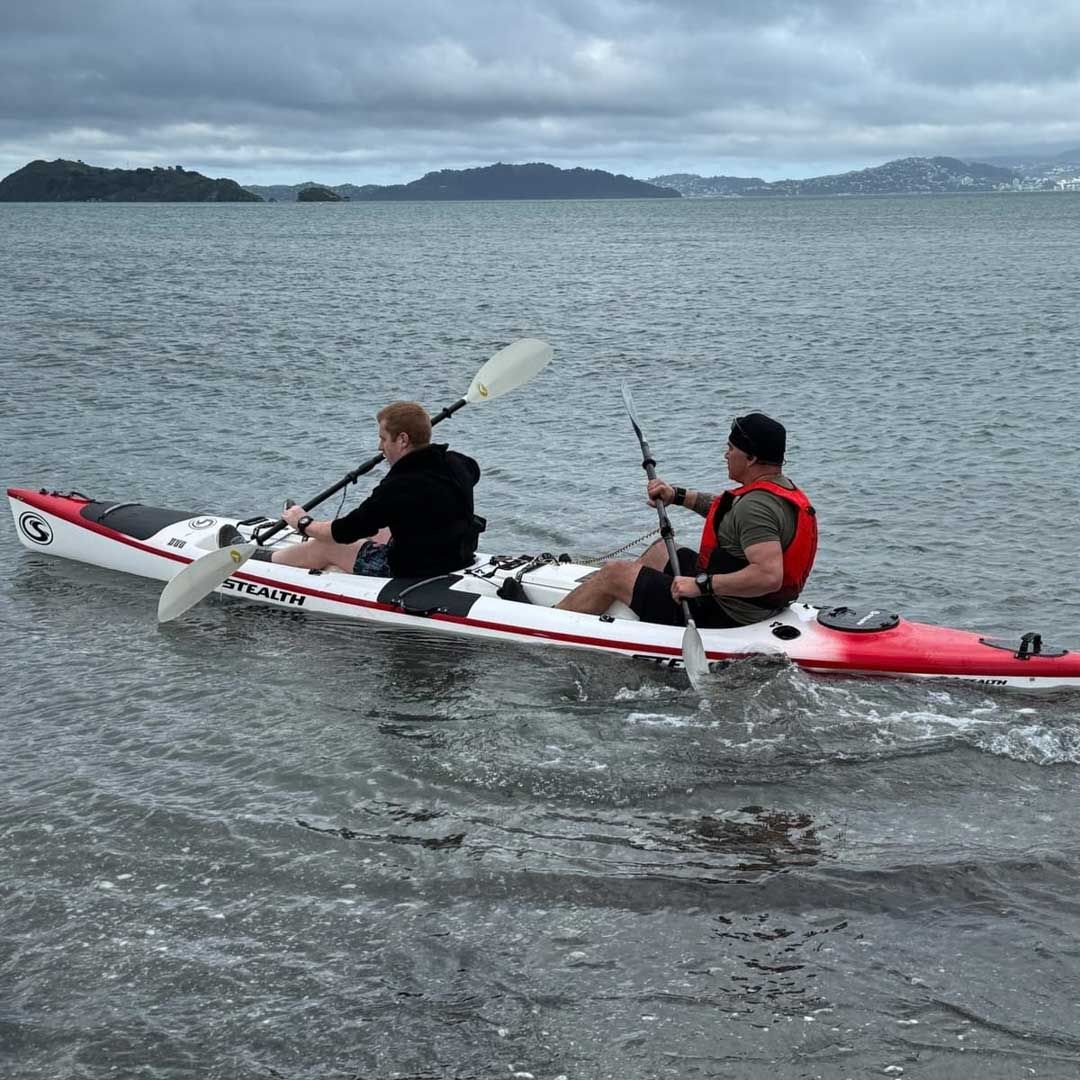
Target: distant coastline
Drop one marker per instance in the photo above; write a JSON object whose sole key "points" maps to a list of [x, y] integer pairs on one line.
{"points": [[532, 181], [75, 181], [904, 176]]}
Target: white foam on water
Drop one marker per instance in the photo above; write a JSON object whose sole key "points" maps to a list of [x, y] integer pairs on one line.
{"points": [[990, 726], [929, 722], [1037, 744], [871, 712], [647, 692], [657, 720]]}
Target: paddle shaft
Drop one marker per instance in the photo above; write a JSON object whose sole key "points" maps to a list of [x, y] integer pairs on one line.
{"points": [[261, 535], [666, 531]]}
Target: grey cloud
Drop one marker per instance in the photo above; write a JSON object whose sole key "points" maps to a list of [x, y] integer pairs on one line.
{"points": [[652, 84]]}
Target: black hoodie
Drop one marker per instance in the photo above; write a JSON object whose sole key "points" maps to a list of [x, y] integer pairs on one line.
{"points": [[426, 500]]}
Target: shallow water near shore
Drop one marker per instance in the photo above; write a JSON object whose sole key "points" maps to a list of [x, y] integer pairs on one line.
{"points": [[257, 844]]}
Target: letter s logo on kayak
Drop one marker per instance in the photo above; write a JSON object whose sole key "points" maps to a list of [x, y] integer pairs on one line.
{"points": [[202, 523], [36, 529]]}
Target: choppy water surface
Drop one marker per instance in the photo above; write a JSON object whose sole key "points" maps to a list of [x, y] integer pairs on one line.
{"points": [[251, 844]]}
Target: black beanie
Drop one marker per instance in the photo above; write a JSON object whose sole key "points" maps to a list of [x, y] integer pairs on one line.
{"points": [[759, 436]]}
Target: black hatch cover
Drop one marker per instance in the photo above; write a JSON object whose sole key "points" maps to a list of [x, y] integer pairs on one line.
{"points": [[132, 519], [428, 596], [858, 622]]}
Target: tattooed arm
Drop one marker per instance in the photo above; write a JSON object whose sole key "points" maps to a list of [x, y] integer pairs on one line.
{"points": [[699, 502]]}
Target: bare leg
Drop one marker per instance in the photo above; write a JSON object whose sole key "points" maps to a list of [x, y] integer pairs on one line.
{"points": [[597, 593], [615, 581], [324, 554]]}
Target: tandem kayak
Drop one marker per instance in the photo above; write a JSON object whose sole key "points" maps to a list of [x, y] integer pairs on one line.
{"points": [[157, 543]]}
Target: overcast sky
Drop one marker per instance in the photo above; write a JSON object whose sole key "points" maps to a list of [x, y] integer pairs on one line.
{"points": [[372, 91]]}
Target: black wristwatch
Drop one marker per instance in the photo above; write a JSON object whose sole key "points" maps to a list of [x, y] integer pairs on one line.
{"points": [[679, 497], [303, 523], [704, 583]]}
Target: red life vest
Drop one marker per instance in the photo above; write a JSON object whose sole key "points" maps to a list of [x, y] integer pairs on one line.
{"points": [[798, 555]]}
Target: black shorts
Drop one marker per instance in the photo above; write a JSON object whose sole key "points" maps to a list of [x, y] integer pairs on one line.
{"points": [[652, 601]]}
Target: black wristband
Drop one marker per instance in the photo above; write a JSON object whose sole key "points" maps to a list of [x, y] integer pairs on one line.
{"points": [[679, 497], [303, 523]]}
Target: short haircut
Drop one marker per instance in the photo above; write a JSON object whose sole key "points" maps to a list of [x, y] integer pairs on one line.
{"points": [[409, 417]]}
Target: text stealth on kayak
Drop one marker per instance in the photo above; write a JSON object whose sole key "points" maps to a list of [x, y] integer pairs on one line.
{"points": [[280, 595]]}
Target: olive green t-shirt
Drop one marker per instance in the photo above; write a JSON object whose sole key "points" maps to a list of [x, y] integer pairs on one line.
{"points": [[755, 518]]}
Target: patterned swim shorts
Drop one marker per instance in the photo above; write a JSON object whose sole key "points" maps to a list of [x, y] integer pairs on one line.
{"points": [[372, 560]]}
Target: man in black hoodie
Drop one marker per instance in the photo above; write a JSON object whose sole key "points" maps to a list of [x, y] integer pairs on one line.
{"points": [[417, 522]]}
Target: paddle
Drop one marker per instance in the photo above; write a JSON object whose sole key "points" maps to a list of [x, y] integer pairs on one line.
{"points": [[507, 369], [693, 650]]}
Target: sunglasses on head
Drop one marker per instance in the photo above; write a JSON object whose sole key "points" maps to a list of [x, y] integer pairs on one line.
{"points": [[736, 426]]}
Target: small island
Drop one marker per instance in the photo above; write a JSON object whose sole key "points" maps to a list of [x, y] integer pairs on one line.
{"points": [[318, 194], [75, 181]]}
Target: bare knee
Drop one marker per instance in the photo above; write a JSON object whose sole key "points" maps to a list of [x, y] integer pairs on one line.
{"points": [[655, 556], [616, 579], [315, 555], [623, 578]]}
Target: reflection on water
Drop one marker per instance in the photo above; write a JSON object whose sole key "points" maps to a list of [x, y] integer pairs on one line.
{"points": [[773, 839]]}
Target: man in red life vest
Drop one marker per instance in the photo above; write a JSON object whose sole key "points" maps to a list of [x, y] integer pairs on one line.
{"points": [[755, 554]]}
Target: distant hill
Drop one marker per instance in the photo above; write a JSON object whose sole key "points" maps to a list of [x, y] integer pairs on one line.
{"points": [[1044, 170], [290, 192], [903, 176], [73, 181], [533, 181], [705, 186]]}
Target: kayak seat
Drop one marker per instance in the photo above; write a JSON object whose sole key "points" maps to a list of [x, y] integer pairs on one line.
{"points": [[512, 589]]}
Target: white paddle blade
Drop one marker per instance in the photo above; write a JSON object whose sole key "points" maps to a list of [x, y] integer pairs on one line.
{"points": [[694, 660], [509, 368], [200, 578], [628, 401]]}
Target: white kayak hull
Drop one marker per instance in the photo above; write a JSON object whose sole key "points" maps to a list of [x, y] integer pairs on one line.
{"points": [[155, 543]]}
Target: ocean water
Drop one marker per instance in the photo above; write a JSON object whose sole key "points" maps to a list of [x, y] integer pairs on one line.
{"points": [[254, 844]]}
